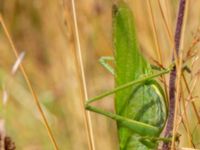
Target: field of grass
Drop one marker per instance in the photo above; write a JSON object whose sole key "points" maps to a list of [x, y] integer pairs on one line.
{"points": [[44, 31]]}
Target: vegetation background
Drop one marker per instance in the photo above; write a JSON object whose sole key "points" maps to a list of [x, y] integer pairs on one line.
{"points": [[43, 30]]}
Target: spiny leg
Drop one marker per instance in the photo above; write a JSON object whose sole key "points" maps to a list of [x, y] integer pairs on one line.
{"points": [[129, 84], [138, 127], [104, 62], [148, 132]]}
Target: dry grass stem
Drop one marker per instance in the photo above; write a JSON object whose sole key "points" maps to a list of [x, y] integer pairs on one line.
{"points": [[35, 97], [80, 68], [169, 32], [158, 47], [189, 92], [178, 89], [184, 118]]}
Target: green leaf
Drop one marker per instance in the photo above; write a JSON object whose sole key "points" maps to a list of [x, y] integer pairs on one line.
{"points": [[143, 102]]}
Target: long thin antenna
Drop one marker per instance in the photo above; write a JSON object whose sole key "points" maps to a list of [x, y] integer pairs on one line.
{"points": [[79, 63], [35, 97]]}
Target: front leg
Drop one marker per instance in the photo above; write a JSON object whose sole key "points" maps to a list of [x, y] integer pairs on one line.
{"points": [[104, 62]]}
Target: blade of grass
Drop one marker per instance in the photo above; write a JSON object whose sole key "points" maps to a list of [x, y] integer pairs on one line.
{"points": [[35, 97], [82, 82], [155, 33], [158, 47], [193, 104], [177, 98], [189, 97], [169, 32], [189, 135], [184, 115]]}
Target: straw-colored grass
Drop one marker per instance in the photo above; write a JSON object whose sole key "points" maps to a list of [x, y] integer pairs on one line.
{"points": [[44, 30]]}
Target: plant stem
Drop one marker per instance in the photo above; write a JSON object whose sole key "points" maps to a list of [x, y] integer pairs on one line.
{"points": [[172, 86]]}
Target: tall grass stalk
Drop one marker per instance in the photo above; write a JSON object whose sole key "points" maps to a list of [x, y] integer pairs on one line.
{"points": [[35, 97], [158, 47], [82, 82]]}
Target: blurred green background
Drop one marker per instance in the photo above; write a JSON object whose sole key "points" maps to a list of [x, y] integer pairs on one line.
{"points": [[43, 30]]}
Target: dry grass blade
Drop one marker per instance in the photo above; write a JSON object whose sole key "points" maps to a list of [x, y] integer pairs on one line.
{"points": [[178, 80], [169, 32], [183, 148], [158, 48], [193, 104], [184, 25], [2, 134], [80, 68], [189, 134], [35, 97], [5, 96], [166, 23], [184, 118], [17, 63]]}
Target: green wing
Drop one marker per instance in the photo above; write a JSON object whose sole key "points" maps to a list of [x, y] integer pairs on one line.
{"points": [[144, 102]]}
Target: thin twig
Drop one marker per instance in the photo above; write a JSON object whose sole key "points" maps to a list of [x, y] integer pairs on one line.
{"points": [[172, 81]]}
